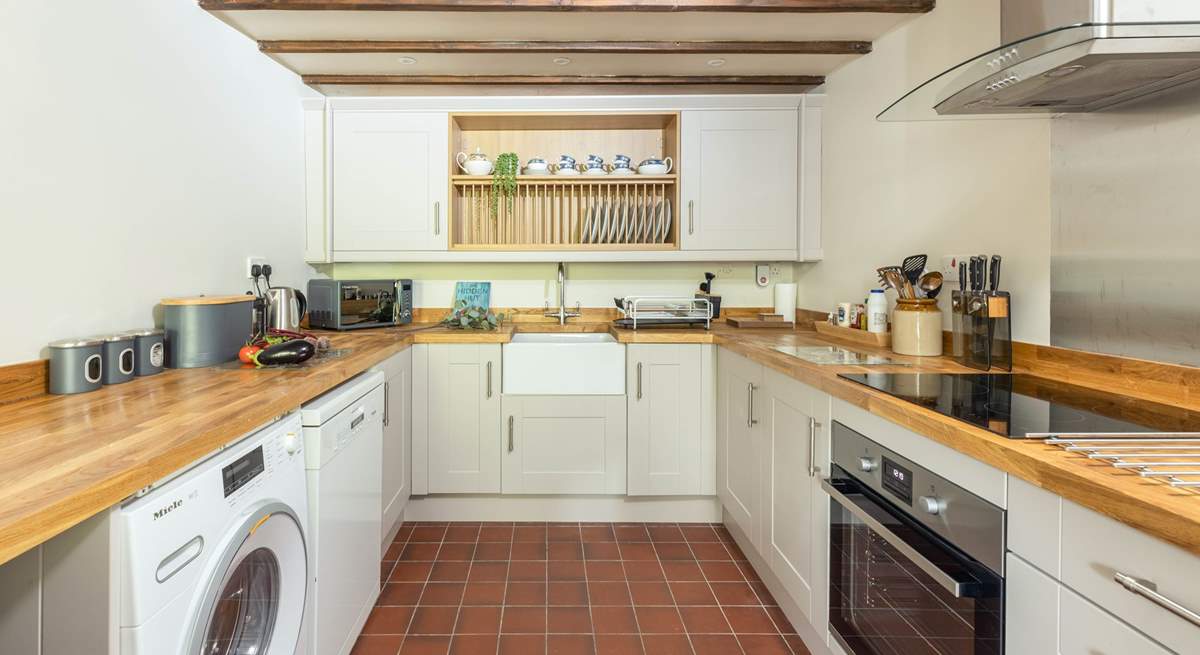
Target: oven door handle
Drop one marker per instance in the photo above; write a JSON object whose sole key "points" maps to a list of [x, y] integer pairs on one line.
{"points": [[958, 588]]}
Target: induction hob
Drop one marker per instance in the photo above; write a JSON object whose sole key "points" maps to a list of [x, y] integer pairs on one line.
{"points": [[1025, 406]]}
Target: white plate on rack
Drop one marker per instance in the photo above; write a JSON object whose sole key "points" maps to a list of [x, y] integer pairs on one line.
{"points": [[587, 224], [623, 232], [601, 229], [666, 221], [658, 221]]}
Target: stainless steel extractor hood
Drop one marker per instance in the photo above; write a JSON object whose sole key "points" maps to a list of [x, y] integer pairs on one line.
{"points": [[1080, 67]]}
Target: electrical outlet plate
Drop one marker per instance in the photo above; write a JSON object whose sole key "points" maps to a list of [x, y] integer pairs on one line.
{"points": [[251, 261], [950, 266], [762, 275]]}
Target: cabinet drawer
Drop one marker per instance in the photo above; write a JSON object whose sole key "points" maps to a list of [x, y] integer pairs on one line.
{"points": [[1096, 548], [1085, 629]]}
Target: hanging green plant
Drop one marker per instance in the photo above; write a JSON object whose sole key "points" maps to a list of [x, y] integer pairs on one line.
{"points": [[504, 181], [471, 317]]}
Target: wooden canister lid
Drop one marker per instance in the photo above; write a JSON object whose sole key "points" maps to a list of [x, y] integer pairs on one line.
{"points": [[208, 300]]}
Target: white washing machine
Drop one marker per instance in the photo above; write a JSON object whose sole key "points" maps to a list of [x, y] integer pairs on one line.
{"points": [[215, 561], [343, 443]]}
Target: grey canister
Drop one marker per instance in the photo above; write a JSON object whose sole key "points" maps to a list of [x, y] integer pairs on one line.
{"points": [[148, 351], [119, 358], [76, 365], [206, 330]]}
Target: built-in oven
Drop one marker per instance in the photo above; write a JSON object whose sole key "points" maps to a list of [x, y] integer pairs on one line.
{"points": [[916, 561]]}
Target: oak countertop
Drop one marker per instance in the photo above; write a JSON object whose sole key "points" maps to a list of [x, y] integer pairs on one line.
{"points": [[66, 458]]}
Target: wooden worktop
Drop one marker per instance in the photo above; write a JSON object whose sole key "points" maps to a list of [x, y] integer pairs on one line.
{"points": [[66, 458]]}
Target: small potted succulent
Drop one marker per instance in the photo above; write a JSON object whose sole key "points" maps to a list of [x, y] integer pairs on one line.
{"points": [[472, 317]]}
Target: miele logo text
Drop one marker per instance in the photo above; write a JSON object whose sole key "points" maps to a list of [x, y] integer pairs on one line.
{"points": [[168, 509]]}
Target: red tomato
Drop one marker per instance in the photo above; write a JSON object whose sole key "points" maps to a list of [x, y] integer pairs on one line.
{"points": [[246, 354]]}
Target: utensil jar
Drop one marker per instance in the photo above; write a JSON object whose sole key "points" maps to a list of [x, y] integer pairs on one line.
{"points": [[917, 327]]}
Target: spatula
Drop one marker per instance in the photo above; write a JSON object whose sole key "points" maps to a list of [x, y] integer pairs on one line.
{"points": [[913, 267]]}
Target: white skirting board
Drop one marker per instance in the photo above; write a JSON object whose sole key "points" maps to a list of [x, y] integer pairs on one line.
{"points": [[614, 509], [816, 643]]}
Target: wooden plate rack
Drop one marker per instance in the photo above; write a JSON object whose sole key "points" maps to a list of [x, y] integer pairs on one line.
{"points": [[551, 212]]}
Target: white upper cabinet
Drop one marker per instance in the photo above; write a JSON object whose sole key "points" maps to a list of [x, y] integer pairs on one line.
{"points": [[740, 174], [389, 181], [670, 434]]}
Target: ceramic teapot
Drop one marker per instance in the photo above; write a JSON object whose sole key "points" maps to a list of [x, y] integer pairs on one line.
{"points": [[474, 164]]}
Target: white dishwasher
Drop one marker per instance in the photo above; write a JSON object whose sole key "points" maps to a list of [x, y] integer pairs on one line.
{"points": [[343, 441]]}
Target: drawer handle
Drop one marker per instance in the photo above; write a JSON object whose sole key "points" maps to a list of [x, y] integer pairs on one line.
{"points": [[750, 420], [813, 426], [510, 434], [691, 217], [489, 380], [639, 381], [386, 414], [437, 217], [1149, 591]]}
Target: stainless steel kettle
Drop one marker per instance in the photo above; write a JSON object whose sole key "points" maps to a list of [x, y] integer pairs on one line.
{"points": [[285, 308]]}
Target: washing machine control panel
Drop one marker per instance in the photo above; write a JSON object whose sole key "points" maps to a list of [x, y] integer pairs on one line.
{"points": [[242, 470]]}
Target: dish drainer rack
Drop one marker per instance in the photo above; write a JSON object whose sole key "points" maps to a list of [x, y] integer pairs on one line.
{"points": [[1172, 458], [567, 213], [647, 311]]}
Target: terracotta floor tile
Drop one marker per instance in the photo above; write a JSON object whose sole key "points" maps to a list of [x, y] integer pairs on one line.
{"points": [[484, 593], [698, 533], [760, 590], [638, 551], [764, 645], [704, 620], [400, 593], [569, 532], [443, 593], [478, 621], [570, 645], [488, 572], [605, 571], [530, 533], [665, 533], [425, 645], [456, 552], [627, 533], [658, 620], [473, 645], [393, 551], [651, 593], [683, 572], [692, 593], [565, 550], [614, 620], [781, 620], [493, 551], [796, 644], [411, 572], [747, 571], [643, 570], [450, 572], [750, 620], [522, 644], [388, 620], [404, 532], [597, 534], [528, 550], [427, 534], [667, 644], [569, 620], [525, 593], [710, 550], [567, 593], [721, 571], [735, 593], [377, 645], [715, 645], [420, 552], [734, 551], [523, 620], [495, 533], [433, 621], [601, 550], [618, 645], [674, 550], [462, 533], [566, 570], [527, 571], [609, 593]]}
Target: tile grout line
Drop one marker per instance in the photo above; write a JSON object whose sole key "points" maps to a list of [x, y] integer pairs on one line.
{"points": [[674, 601]]}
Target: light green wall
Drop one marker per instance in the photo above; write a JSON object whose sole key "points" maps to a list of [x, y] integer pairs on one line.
{"points": [[725, 271]]}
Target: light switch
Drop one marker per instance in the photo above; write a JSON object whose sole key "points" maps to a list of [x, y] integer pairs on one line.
{"points": [[762, 275]]}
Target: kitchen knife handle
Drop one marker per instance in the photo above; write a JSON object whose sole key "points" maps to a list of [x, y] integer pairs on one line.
{"points": [[962, 275], [994, 274]]}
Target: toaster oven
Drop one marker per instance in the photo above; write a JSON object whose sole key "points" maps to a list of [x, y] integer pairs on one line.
{"points": [[355, 304]]}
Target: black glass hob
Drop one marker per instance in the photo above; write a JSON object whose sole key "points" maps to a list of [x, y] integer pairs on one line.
{"points": [[1020, 406]]}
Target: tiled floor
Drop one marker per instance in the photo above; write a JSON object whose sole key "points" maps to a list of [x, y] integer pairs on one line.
{"points": [[571, 589]]}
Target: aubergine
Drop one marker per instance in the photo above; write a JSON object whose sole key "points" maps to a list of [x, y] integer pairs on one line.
{"points": [[288, 352]]}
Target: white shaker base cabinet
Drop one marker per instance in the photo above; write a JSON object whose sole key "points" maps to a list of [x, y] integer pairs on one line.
{"points": [[397, 440], [740, 179], [388, 180], [456, 418], [564, 444], [741, 443], [672, 444]]}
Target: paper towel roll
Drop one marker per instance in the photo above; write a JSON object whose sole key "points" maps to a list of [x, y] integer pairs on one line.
{"points": [[785, 301]]}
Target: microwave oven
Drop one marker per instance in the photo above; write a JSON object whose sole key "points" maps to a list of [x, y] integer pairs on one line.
{"points": [[356, 304]]}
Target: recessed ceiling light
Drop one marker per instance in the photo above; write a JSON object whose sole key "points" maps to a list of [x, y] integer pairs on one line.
{"points": [[561, 61], [716, 63], [407, 61]]}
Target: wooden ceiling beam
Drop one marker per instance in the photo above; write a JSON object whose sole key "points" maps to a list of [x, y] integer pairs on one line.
{"points": [[782, 6], [806, 81], [593, 47]]}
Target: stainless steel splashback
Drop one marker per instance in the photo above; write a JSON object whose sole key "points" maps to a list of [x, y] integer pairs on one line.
{"points": [[1125, 241]]}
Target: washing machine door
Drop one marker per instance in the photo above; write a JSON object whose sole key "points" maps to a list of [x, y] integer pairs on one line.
{"points": [[254, 602]]}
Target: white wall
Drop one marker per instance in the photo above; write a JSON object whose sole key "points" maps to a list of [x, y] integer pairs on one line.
{"points": [[940, 188], [147, 150]]}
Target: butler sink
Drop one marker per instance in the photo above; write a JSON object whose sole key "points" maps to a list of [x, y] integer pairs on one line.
{"points": [[564, 364]]}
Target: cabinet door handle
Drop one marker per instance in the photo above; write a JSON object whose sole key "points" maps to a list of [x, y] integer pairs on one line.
{"points": [[489, 379], [691, 217], [750, 420], [437, 217], [510, 434], [639, 381], [1149, 591], [386, 416], [813, 426]]}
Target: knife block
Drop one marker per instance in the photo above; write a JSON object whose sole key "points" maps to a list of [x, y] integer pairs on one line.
{"points": [[1000, 318]]}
